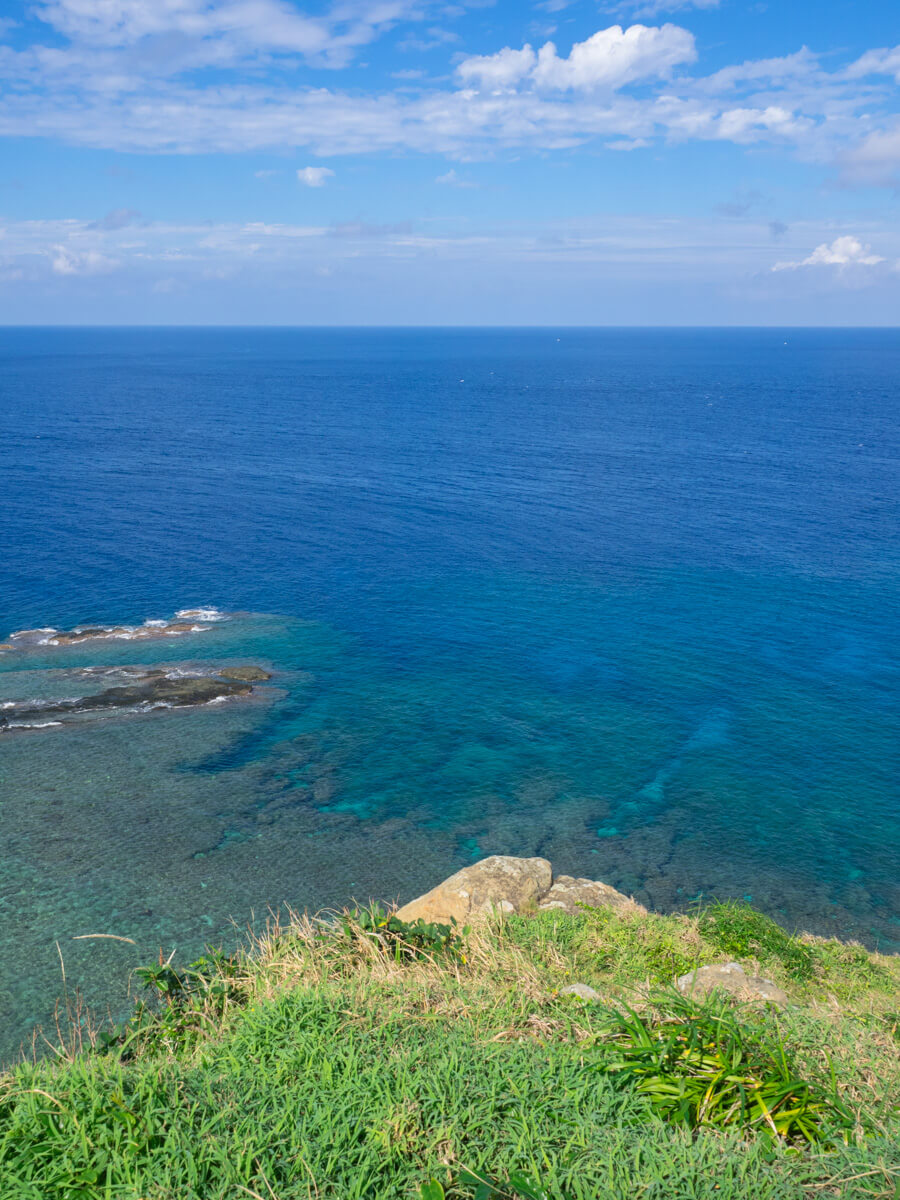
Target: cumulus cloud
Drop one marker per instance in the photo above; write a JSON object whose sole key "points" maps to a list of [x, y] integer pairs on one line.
{"points": [[504, 69], [610, 59], [698, 118], [127, 81], [842, 252], [314, 177]]}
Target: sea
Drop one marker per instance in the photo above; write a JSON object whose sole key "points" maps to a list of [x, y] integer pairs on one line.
{"points": [[623, 598]]}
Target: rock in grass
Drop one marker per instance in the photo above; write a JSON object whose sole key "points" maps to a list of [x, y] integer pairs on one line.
{"points": [[500, 884], [567, 893], [730, 977], [583, 991]]}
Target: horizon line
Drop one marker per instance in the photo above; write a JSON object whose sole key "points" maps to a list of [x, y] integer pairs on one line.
{"points": [[426, 327]]}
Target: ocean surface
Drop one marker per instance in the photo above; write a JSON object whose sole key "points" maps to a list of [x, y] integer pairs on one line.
{"points": [[625, 599]]}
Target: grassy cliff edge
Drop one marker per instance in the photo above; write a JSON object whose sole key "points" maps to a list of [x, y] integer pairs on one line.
{"points": [[370, 1057]]}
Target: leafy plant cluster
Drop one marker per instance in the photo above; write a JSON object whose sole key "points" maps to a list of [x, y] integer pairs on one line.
{"points": [[699, 1066], [404, 941], [184, 1001]]}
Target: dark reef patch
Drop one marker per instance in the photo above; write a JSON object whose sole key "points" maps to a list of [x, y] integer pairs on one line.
{"points": [[151, 690]]}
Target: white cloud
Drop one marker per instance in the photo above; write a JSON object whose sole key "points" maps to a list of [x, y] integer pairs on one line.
{"points": [[66, 258], [802, 64], [314, 177], [610, 59], [126, 82], [842, 252], [66, 261], [614, 57], [504, 69], [220, 32], [876, 62]]}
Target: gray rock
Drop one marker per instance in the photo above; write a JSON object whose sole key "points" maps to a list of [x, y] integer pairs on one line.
{"points": [[153, 689], [732, 978], [567, 893], [500, 884], [583, 991]]}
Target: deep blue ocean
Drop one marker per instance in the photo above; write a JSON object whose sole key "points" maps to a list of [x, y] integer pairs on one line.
{"points": [[625, 599]]}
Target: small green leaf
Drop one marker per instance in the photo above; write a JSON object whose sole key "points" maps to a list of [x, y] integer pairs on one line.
{"points": [[431, 1190]]}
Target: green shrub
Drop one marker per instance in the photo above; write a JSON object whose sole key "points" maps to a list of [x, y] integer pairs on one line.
{"points": [[699, 1066], [403, 941], [186, 1001], [738, 930]]}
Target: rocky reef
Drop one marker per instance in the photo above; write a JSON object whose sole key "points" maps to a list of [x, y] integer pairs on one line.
{"points": [[186, 620], [145, 691]]}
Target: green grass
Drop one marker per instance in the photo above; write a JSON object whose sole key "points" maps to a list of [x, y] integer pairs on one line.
{"points": [[737, 930], [343, 1067]]}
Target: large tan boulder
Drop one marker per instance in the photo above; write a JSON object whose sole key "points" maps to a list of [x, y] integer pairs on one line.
{"points": [[499, 884], [567, 893]]}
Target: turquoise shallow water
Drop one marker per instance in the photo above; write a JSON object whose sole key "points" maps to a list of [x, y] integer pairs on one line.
{"points": [[632, 605]]}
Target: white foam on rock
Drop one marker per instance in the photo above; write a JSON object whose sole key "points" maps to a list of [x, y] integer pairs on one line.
{"points": [[200, 614], [152, 627]]}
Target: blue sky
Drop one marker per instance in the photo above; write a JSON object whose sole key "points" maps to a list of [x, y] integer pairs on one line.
{"points": [[449, 162]]}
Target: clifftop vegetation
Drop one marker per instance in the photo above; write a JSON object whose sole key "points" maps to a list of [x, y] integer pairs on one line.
{"points": [[371, 1057]]}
